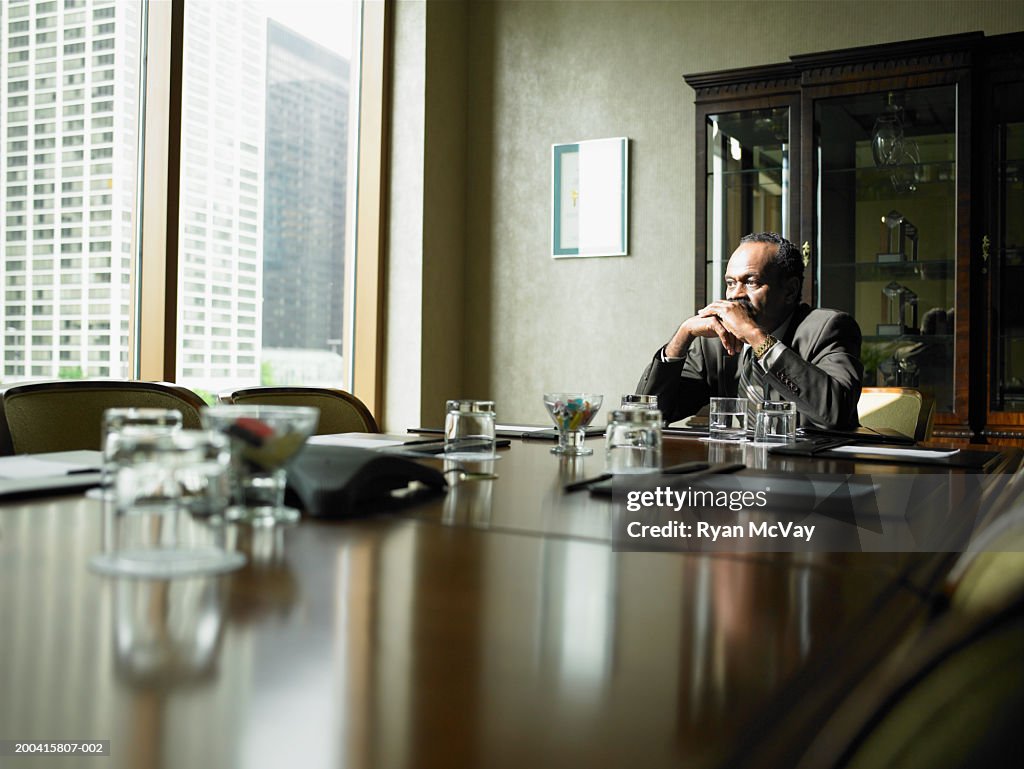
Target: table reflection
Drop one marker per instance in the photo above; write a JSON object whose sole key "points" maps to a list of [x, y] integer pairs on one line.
{"points": [[266, 585], [577, 619], [166, 630], [749, 624], [470, 492]]}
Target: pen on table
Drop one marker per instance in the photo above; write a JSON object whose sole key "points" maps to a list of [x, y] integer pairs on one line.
{"points": [[577, 485], [420, 441], [685, 467]]}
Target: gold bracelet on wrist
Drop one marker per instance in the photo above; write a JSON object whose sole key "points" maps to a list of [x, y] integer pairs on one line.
{"points": [[768, 343]]}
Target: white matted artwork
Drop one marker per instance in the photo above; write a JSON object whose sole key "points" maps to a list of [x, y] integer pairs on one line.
{"points": [[590, 198]]}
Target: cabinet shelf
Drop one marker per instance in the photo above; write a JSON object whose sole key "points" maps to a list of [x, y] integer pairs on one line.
{"points": [[905, 339], [1013, 398], [775, 170], [929, 269], [930, 171], [1013, 257]]}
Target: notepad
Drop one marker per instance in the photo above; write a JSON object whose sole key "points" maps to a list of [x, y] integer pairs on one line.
{"points": [[892, 451], [50, 473], [25, 466], [355, 440]]}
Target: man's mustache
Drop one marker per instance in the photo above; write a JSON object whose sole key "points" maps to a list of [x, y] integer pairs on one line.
{"points": [[747, 305]]}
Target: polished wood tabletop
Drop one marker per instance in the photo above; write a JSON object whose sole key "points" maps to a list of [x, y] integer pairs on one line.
{"points": [[492, 627]]}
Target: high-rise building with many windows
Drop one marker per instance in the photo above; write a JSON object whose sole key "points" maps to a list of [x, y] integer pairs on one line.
{"points": [[261, 226], [220, 277], [68, 115], [304, 222]]}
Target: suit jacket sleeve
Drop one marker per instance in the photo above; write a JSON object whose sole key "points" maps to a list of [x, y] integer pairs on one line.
{"points": [[826, 387], [681, 386]]}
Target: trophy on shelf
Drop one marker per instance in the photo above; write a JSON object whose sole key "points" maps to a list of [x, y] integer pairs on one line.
{"points": [[899, 370], [906, 371], [897, 230], [901, 311]]}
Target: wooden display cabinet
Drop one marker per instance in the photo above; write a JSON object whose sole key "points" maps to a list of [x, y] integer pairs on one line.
{"points": [[899, 169]]}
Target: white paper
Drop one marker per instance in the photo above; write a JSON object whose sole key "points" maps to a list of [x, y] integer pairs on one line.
{"points": [[31, 466], [884, 451], [343, 439], [600, 199]]}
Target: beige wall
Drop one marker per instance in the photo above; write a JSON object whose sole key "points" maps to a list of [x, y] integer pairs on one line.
{"points": [[538, 73]]}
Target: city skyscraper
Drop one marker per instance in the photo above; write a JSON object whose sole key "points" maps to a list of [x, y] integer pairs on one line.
{"points": [[304, 217], [69, 96], [220, 276]]}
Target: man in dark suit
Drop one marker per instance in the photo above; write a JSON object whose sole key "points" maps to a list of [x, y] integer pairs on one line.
{"points": [[760, 342]]}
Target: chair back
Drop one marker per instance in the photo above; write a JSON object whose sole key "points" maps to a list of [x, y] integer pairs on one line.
{"points": [[990, 571], [340, 411], [951, 698], [68, 415], [903, 409]]}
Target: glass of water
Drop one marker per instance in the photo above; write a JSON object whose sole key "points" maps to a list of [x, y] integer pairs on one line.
{"points": [[118, 421], [156, 478], [633, 441], [728, 419], [634, 401], [776, 422], [469, 430]]}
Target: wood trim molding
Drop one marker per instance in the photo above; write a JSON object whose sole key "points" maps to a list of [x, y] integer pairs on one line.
{"points": [[154, 321], [742, 83], [367, 355], [878, 61]]}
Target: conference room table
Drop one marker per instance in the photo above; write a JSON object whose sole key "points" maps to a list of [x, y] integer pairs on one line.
{"points": [[492, 626]]}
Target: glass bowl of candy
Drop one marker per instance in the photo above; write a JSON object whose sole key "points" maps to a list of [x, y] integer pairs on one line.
{"points": [[572, 413], [263, 440]]}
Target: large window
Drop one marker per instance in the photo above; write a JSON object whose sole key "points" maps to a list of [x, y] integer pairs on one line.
{"points": [[254, 256], [69, 106], [264, 151]]}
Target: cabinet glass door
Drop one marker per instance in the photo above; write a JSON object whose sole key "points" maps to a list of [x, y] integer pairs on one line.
{"points": [[1007, 246], [886, 230], [748, 181]]}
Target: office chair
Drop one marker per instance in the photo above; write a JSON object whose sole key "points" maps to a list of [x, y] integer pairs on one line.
{"points": [[904, 409], [340, 411], [952, 695], [949, 699], [991, 570], [68, 414]]}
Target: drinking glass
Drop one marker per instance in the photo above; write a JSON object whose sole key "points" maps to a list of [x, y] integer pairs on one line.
{"points": [[632, 400], [469, 430], [728, 419], [633, 441], [117, 420], [263, 440], [776, 422], [145, 531]]}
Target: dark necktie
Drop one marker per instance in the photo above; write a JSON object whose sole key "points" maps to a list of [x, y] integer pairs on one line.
{"points": [[751, 385]]}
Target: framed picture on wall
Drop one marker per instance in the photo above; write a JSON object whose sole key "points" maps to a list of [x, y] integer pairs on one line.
{"points": [[590, 198]]}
